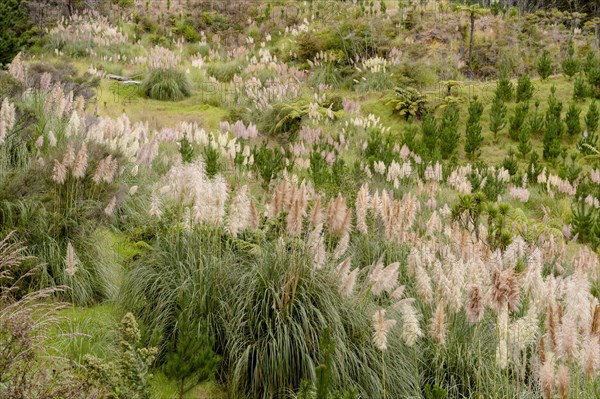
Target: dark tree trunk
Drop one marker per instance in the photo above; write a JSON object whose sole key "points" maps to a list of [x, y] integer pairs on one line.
{"points": [[471, 44]]}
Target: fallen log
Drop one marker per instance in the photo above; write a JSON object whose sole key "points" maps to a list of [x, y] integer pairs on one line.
{"points": [[119, 78]]}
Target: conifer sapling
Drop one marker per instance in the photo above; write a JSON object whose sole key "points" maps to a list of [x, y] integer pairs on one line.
{"points": [[544, 65], [497, 116]]}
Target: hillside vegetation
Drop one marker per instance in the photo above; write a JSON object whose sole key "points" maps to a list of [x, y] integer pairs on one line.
{"points": [[280, 199]]}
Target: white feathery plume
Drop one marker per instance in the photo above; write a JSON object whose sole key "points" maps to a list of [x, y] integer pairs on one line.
{"points": [[434, 224], [438, 324], [316, 213], [70, 260], [423, 284], [155, 206], [384, 279], [110, 169], [315, 235], [254, 217], [362, 204], [69, 156], [73, 126], [294, 218], [7, 119], [589, 355], [239, 212], [381, 328], [533, 283], [110, 207], [523, 332], [45, 81], [398, 293], [100, 171], [457, 278], [567, 338], [59, 172], [563, 378], [411, 331], [578, 299], [342, 246], [51, 139], [81, 162], [344, 268], [320, 253], [547, 379], [348, 283], [502, 329]]}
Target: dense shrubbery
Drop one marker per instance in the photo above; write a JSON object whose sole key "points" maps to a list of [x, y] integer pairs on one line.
{"points": [[267, 309], [166, 85], [15, 30], [335, 241]]}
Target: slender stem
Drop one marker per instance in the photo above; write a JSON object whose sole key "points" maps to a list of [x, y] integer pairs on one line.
{"points": [[383, 372]]}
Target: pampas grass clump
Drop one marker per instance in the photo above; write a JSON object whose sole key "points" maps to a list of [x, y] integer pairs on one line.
{"points": [[167, 84]]}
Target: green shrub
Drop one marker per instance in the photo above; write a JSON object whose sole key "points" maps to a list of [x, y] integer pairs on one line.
{"points": [[554, 127], [448, 131], [9, 86], [128, 375], [594, 81], [497, 116], [24, 325], [374, 81], [473, 136], [281, 310], [14, 30], [517, 120], [186, 28], [429, 130], [525, 89], [586, 222], [322, 388], [408, 103], [510, 163], [267, 308], [214, 20], [190, 358], [536, 121], [591, 62], [570, 65], [524, 146], [268, 162], [166, 85], [54, 214], [223, 72], [284, 120], [504, 87], [592, 118], [544, 65], [328, 74], [580, 89], [572, 120]]}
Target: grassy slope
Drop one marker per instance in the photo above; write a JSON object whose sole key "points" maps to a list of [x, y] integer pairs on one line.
{"points": [[93, 326], [92, 330], [114, 99], [491, 152]]}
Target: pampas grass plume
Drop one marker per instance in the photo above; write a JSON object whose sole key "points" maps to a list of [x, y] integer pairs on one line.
{"points": [[381, 327]]}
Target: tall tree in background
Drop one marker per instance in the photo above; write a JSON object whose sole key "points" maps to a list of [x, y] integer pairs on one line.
{"points": [[474, 11]]}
